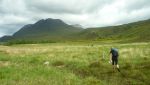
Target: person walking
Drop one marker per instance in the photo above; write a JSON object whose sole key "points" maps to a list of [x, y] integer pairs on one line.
{"points": [[114, 58]]}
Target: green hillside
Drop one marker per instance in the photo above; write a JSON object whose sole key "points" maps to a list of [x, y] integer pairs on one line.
{"points": [[137, 31], [55, 30]]}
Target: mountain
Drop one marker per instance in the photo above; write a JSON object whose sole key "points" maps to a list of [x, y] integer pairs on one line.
{"points": [[48, 29], [57, 30], [6, 38]]}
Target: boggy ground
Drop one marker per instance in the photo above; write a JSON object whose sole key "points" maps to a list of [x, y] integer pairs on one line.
{"points": [[74, 64]]}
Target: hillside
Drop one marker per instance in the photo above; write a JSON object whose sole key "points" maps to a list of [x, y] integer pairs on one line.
{"points": [[48, 29], [57, 30], [137, 31]]}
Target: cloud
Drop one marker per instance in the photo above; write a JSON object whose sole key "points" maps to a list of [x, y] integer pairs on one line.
{"points": [[65, 6], [89, 13]]}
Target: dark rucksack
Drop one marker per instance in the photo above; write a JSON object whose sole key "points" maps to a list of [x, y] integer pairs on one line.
{"points": [[114, 52]]}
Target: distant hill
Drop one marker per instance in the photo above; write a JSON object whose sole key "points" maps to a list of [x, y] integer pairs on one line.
{"points": [[6, 38], [57, 30], [136, 31], [48, 29]]}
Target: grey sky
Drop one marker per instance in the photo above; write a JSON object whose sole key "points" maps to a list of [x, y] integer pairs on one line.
{"points": [[89, 13]]}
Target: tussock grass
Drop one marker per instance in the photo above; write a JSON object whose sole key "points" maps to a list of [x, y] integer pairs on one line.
{"points": [[74, 64]]}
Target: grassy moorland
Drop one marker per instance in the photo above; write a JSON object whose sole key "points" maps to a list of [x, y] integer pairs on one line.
{"points": [[74, 64]]}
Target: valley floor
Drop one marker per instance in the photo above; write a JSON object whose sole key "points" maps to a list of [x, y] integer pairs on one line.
{"points": [[74, 64]]}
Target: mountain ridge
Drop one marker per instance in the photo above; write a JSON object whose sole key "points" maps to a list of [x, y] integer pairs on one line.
{"points": [[56, 29]]}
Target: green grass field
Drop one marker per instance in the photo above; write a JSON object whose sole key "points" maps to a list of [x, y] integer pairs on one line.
{"points": [[74, 64]]}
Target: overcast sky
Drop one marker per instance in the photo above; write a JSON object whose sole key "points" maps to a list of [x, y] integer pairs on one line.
{"points": [[89, 13]]}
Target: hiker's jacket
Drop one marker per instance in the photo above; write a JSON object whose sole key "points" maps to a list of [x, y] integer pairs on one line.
{"points": [[114, 53]]}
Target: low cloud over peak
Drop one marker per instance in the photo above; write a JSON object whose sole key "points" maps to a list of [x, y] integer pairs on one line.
{"points": [[89, 13]]}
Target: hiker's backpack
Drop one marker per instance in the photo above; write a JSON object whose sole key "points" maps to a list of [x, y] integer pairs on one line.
{"points": [[114, 52]]}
